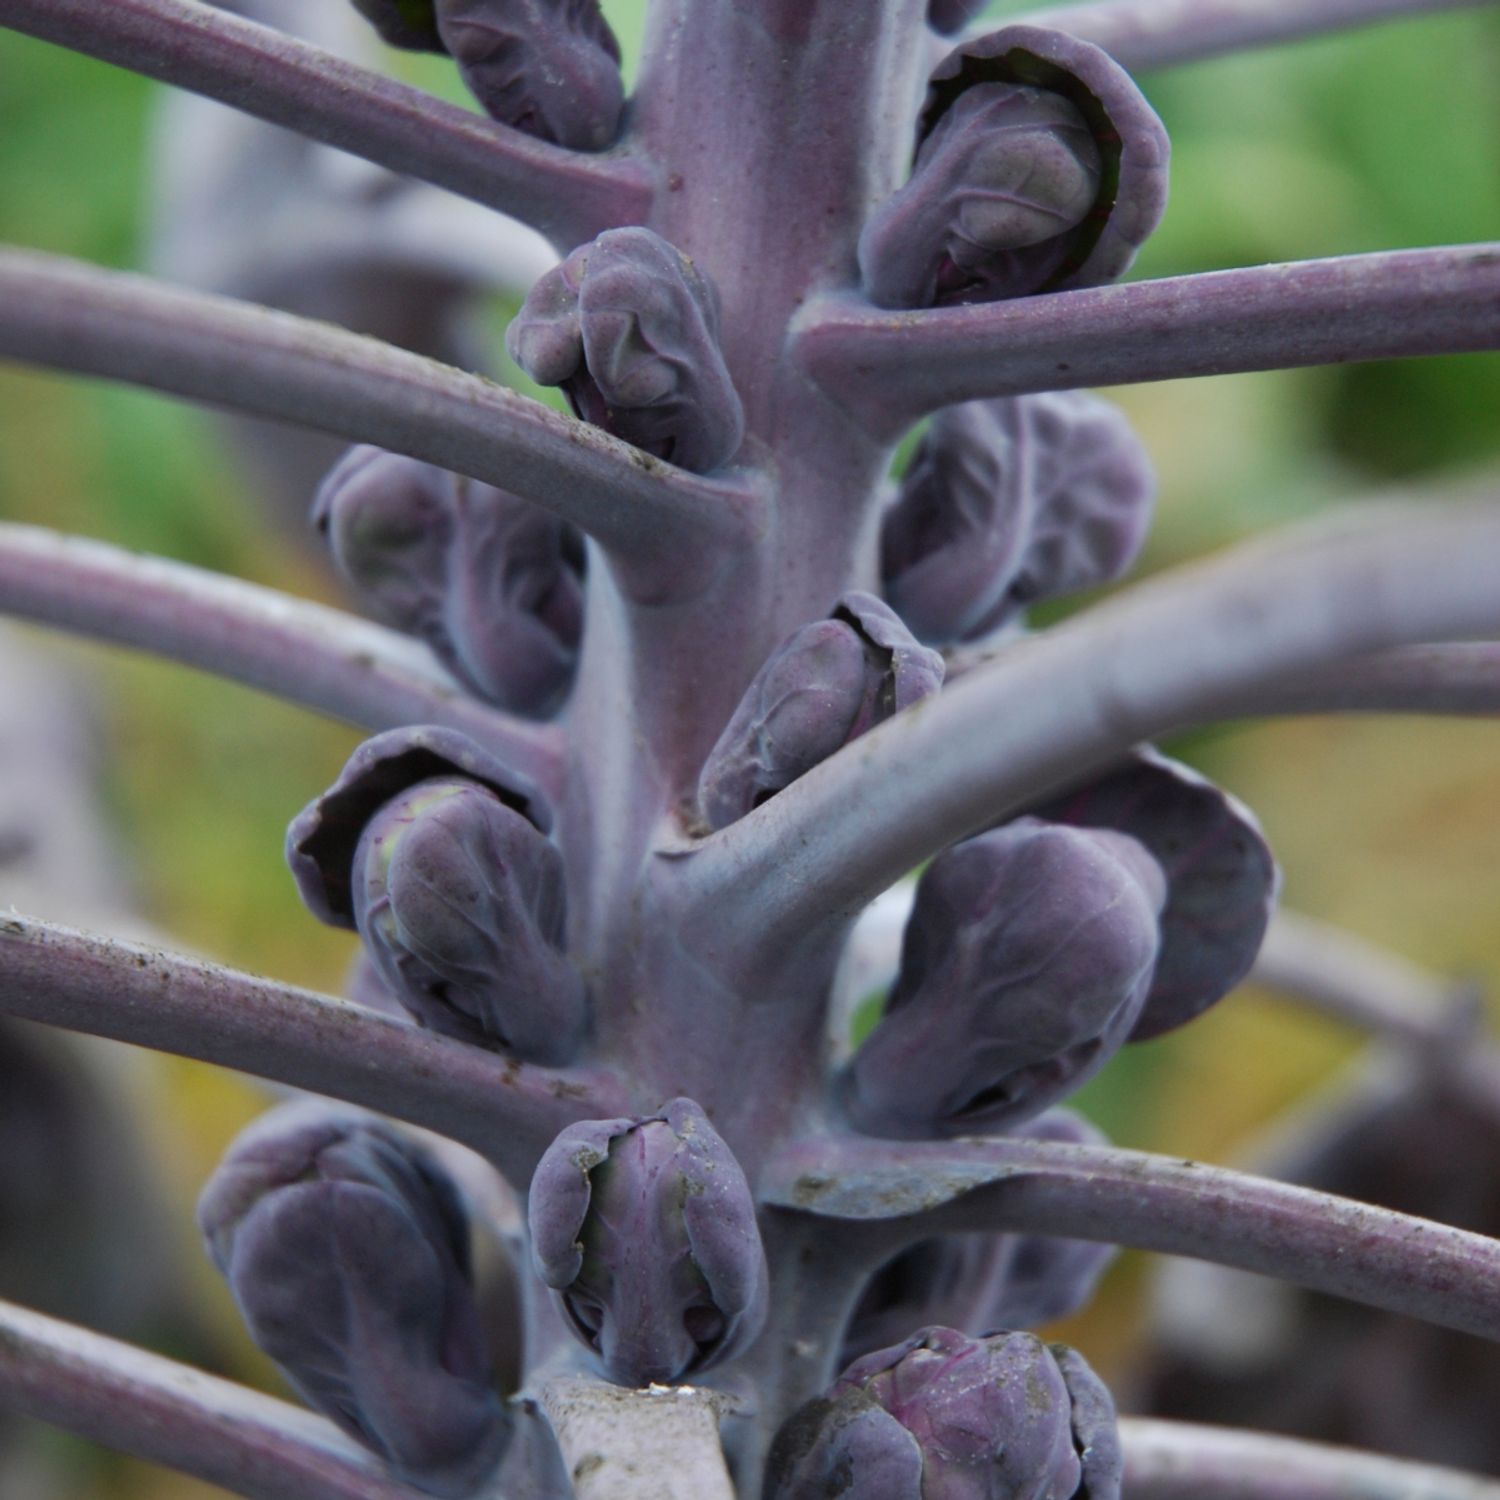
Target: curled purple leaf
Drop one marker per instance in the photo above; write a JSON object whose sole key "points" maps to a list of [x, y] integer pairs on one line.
{"points": [[1010, 502], [410, 24], [1039, 168], [548, 67], [462, 906], [943, 1416], [824, 686], [629, 328], [645, 1229], [346, 1248], [1222, 881], [492, 583], [1026, 962], [322, 839]]}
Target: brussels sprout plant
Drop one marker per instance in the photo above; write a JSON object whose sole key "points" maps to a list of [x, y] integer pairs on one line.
{"points": [[666, 693]]}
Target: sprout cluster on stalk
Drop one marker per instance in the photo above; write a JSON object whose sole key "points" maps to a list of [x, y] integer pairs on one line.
{"points": [[666, 692]]}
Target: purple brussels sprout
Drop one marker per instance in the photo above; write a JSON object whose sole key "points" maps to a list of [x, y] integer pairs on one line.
{"points": [[1039, 168], [438, 855], [346, 1248], [944, 1416], [410, 24], [824, 686], [1026, 962], [645, 1229], [492, 583], [629, 328], [462, 906], [1222, 880], [980, 1282], [548, 67], [1011, 502]]}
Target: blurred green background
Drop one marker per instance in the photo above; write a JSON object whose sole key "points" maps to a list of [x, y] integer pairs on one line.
{"points": [[1384, 138]]}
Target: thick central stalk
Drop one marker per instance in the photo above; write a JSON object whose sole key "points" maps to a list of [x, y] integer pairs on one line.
{"points": [[776, 126]]}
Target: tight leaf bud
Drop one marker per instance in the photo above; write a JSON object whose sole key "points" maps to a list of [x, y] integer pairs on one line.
{"points": [[1222, 881], [824, 686], [346, 1248], [629, 328], [1026, 962], [410, 24], [645, 1229], [548, 67], [1010, 502], [944, 1416], [1039, 167], [492, 583], [461, 903]]}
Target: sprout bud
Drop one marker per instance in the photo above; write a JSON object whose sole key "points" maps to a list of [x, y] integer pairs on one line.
{"points": [[824, 686], [1039, 167], [461, 904], [1011, 502], [998, 189], [548, 67], [346, 1248], [1026, 962], [646, 1231], [944, 1416], [492, 583], [629, 329]]}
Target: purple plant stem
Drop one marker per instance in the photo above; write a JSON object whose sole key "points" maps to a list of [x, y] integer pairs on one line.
{"points": [[891, 368], [1460, 678], [567, 195], [1156, 33], [507, 1111], [1147, 1202], [1454, 678], [159, 1410], [323, 658], [71, 316], [1199, 643], [1182, 1461]]}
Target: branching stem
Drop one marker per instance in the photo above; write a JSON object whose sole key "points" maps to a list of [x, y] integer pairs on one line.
{"points": [[1142, 34], [507, 1111], [1328, 1244], [71, 316], [567, 195], [317, 656], [890, 368], [140, 1403], [1204, 642]]}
